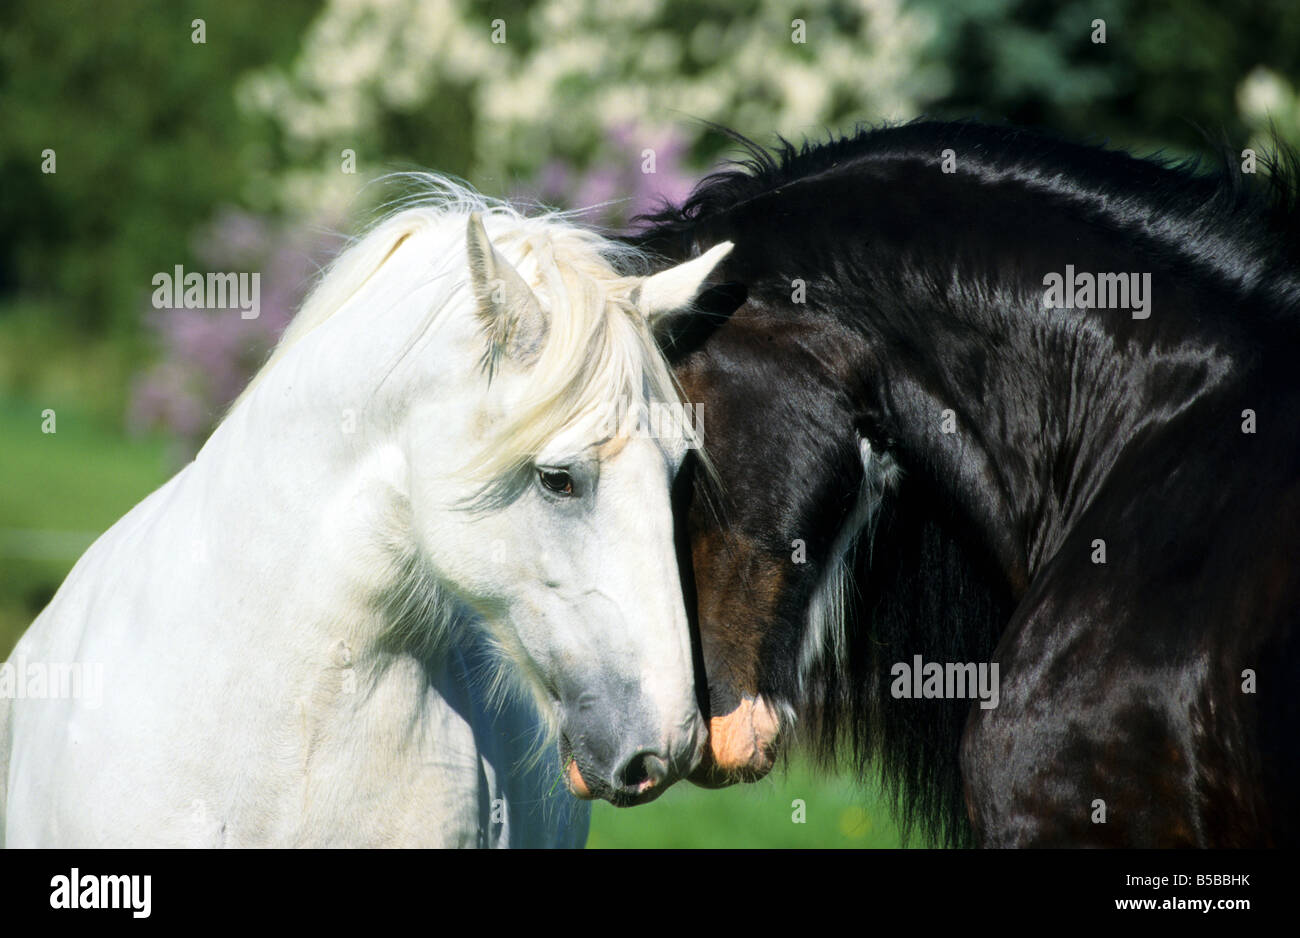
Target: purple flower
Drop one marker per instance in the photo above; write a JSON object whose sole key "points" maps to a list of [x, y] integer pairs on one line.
{"points": [[207, 356]]}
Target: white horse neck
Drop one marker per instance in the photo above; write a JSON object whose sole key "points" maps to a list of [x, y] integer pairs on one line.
{"points": [[301, 489], [245, 616]]}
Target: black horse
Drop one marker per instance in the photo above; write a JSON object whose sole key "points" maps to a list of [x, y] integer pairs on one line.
{"points": [[977, 397]]}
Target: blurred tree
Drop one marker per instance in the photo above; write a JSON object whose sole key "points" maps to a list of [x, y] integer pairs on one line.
{"points": [[497, 91], [1167, 70], [146, 134]]}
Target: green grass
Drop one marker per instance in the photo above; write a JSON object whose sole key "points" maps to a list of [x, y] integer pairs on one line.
{"points": [[837, 813], [58, 491]]}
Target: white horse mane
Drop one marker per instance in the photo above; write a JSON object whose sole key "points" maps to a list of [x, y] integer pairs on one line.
{"points": [[598, 345]]}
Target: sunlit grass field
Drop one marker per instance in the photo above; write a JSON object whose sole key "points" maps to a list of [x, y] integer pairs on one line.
{"points": [[794, 808], [58, 491]]}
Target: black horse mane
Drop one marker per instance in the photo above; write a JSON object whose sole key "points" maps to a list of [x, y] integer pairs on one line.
{"points": [[919, 586], [1246, 226]]}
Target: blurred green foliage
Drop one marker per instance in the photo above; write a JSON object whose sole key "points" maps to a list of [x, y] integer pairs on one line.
{"points": [[1169, 69], [146, 135], [151, 140]]}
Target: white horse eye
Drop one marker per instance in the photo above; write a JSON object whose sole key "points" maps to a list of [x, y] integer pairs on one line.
{"points": [[556, 480]]}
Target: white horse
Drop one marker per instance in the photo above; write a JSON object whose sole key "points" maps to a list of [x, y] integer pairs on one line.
{"points": [[413, 547]]}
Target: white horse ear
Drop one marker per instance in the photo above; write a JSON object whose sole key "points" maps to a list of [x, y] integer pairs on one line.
{"points": [[676, 288], [512, 318]]}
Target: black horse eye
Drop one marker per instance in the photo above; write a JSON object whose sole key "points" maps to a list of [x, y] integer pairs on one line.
{"points": [[556, 480]]}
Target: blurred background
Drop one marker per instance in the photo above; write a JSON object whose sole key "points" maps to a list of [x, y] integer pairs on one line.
{"points": [[243, 136]]}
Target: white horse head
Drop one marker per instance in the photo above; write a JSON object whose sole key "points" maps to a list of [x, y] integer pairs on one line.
{"points": [[500, 347]]}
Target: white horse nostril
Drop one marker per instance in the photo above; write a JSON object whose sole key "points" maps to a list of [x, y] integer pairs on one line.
{"points": [[643, 772]]}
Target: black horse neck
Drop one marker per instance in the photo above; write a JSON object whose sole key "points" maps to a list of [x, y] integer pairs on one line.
{"points": [[1009, 416], [1018, 403]]}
